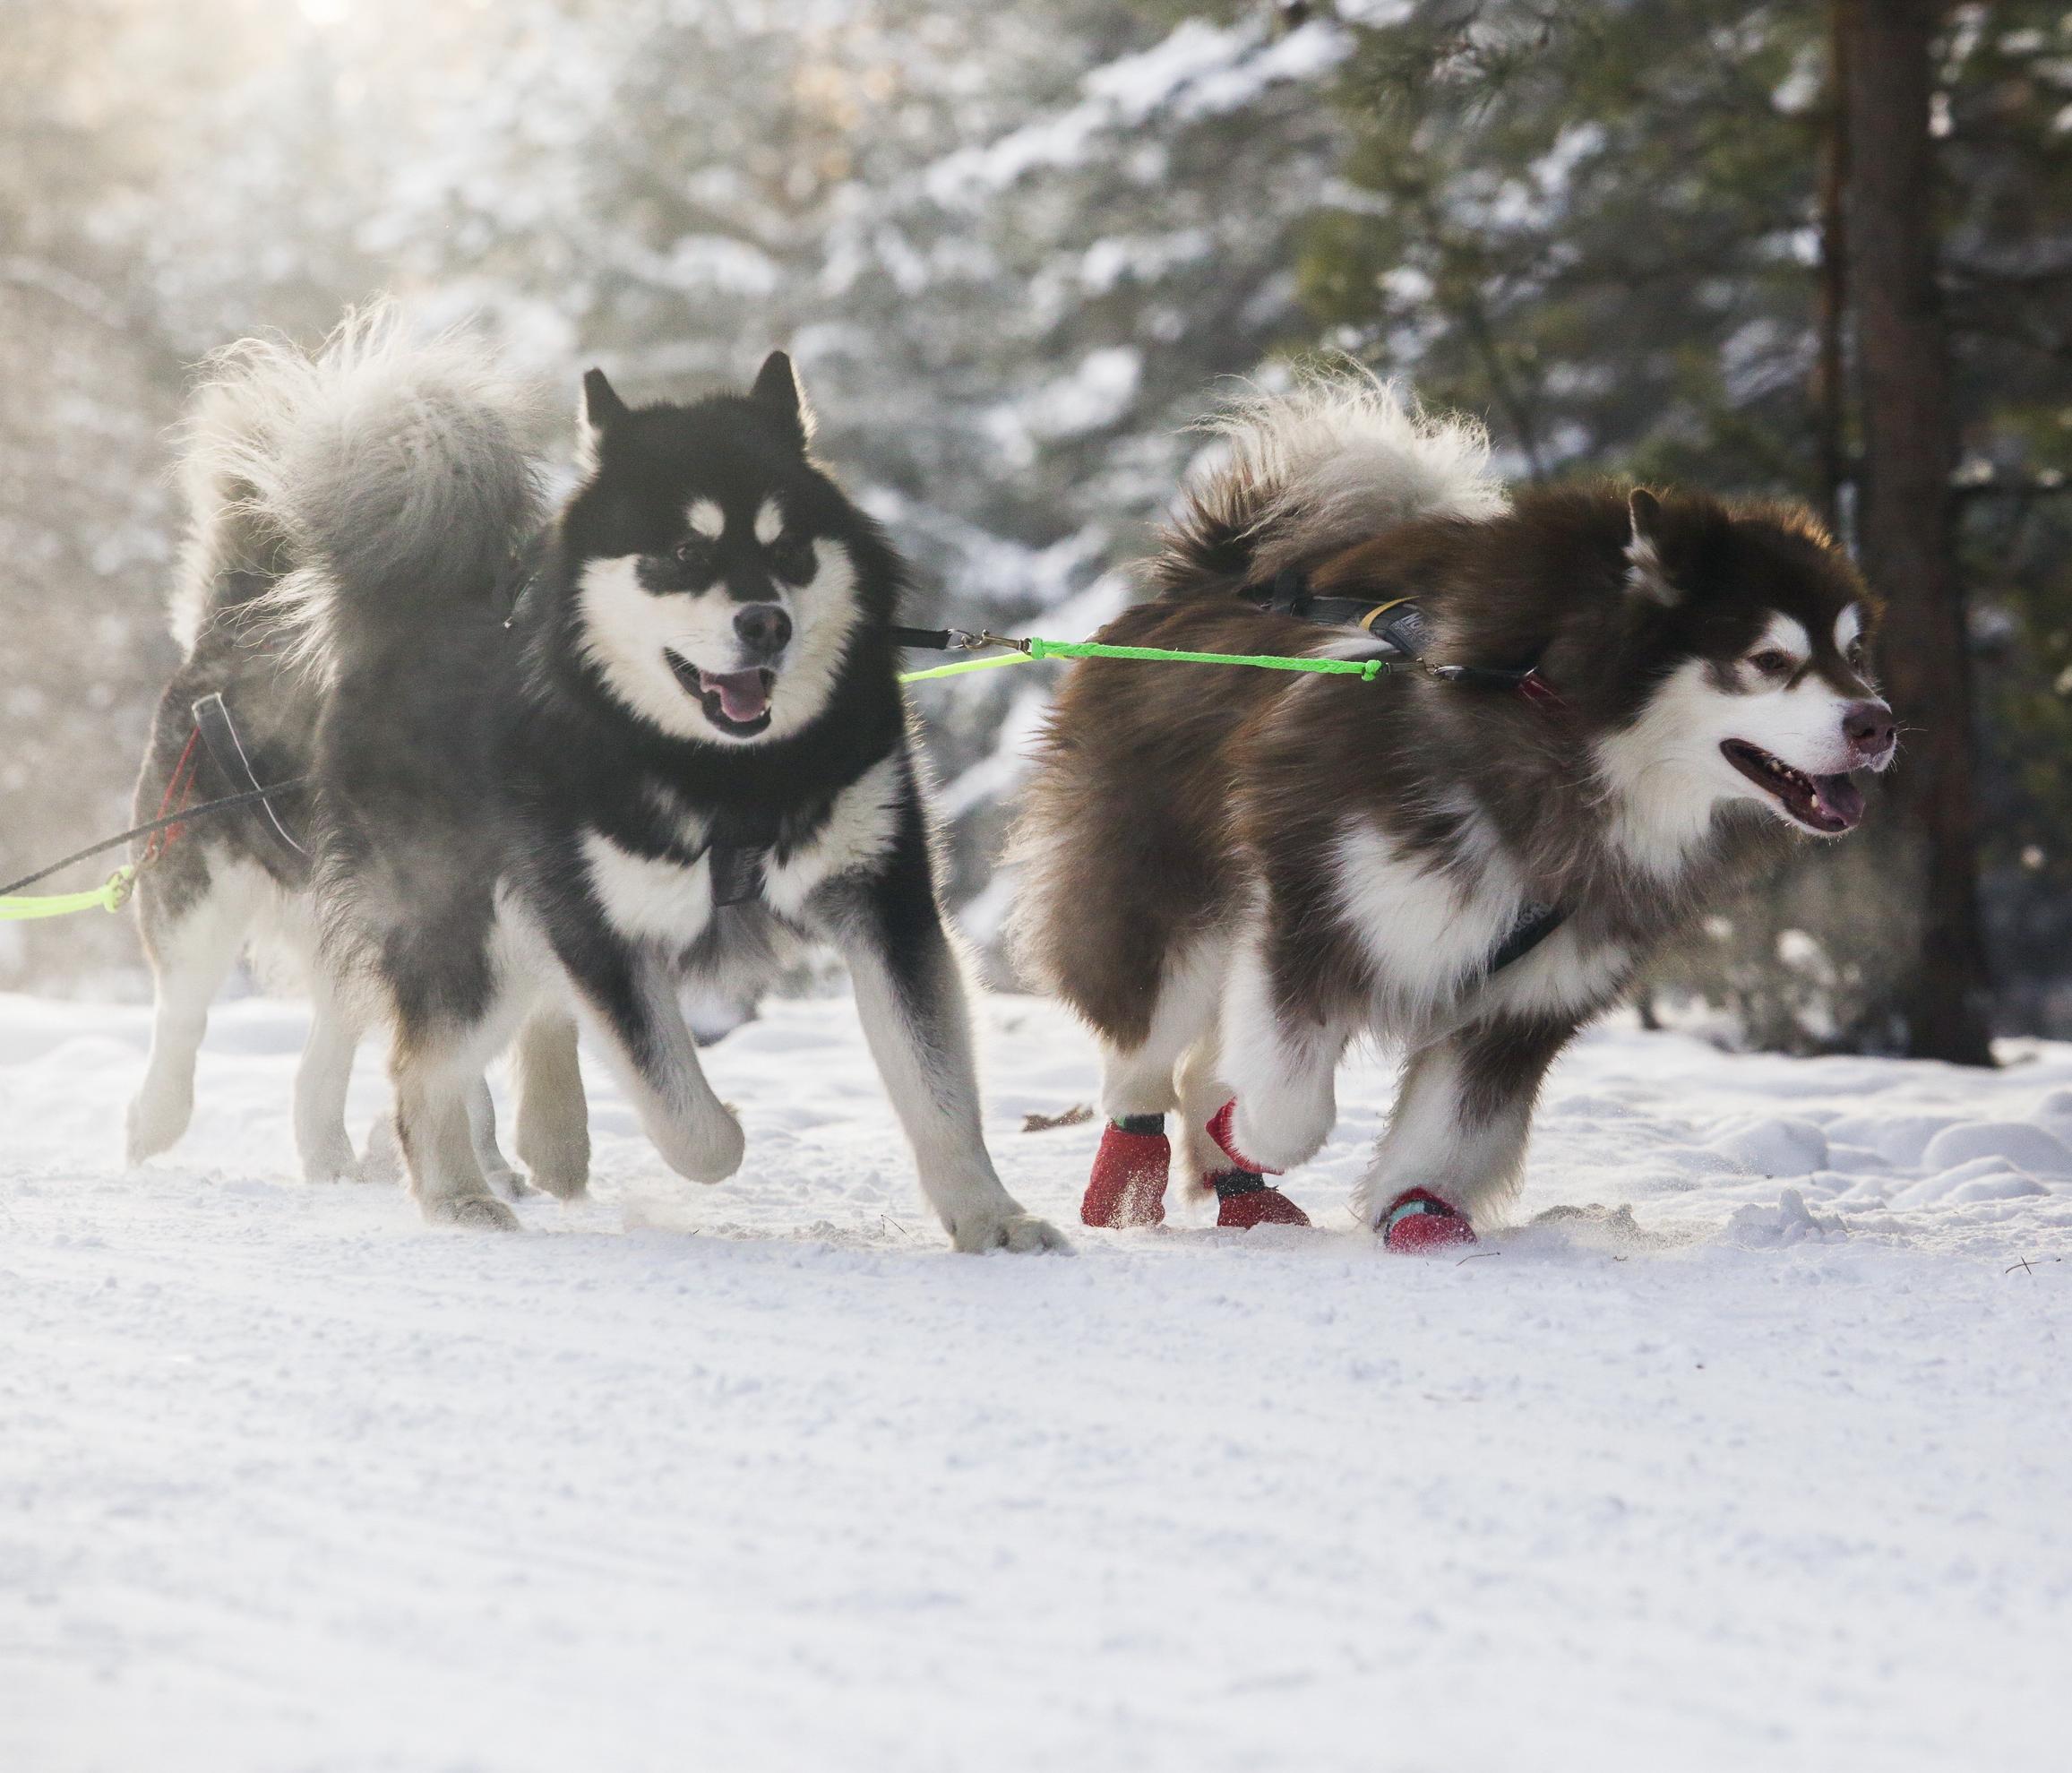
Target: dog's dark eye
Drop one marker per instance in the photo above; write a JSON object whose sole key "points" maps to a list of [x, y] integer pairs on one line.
{"points": [[694, 550], [1773, 663], [792, 558]]}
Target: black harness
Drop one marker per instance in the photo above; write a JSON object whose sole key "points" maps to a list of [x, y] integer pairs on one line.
{"points": [[1400, 630], [217, 734], [220, 738], [737, 846]]}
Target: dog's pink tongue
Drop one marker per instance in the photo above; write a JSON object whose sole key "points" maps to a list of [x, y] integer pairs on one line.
{"points": [[1840, 799], [742, 695]]}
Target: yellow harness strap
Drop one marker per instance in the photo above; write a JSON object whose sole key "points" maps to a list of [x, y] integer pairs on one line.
{"points": [[1379, 610]]}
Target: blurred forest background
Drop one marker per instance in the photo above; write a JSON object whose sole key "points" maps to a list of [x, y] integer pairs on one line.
{"points": [[1015, 247]]}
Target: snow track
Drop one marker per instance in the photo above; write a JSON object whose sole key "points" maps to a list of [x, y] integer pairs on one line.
{"points": [[1770, 1470]]}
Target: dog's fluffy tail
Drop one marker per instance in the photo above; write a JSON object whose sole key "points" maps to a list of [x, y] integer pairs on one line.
{"points": [[343, 492], [1304, 473]]}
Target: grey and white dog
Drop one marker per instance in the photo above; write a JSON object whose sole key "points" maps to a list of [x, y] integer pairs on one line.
{"points": [[682, 753]]}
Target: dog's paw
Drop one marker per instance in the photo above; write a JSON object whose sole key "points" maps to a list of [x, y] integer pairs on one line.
{"points": [[474, 1212], [1014, 1230], [508, 1183], [708, 1152], [154, 1124], [562, 1184], [328, 1157], [558, 1166], [383, 1162]]}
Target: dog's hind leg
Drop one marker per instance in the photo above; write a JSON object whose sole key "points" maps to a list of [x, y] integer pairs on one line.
{"points": [[194, 920], [1202, 1091], [554, 1128], [382, 1160], [434, 1076], [1138, 1084], [321, 1081], [452, 1016], [496, 1168], [1141, 1080], [1455, 1148]]}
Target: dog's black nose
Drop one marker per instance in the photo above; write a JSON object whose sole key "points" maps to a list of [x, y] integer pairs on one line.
{"points": [[763, 628], [1869, 728]]}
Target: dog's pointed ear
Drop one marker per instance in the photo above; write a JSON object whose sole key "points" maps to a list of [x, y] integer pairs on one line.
{"points": [[777, 392], [1645, 576], [602, 408]]}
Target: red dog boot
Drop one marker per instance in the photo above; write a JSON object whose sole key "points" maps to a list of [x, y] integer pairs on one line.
{"points": [[1128, 1186], [1419, 1224], [1219, 1126], [1242, 1198]]}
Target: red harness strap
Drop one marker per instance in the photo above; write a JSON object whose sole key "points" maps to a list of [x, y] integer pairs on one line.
{"points": [[180, 788], [1536, 688]]}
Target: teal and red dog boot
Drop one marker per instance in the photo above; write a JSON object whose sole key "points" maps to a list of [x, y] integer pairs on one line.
{"points": [[1243, 1198], [1128, 1186], [1418, 1223]]}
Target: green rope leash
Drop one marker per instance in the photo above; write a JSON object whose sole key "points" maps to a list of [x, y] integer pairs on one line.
{"points": [[114, 894], [111, 897], [1028, 650]]}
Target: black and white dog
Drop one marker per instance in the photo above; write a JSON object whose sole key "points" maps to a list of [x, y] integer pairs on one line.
{"points": [[682, 751]]}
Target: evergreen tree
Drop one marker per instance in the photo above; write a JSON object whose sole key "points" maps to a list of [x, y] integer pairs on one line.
{"points": [[1015, 249], [1612, 229]]}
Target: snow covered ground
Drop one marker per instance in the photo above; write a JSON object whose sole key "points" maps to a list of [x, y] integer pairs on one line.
{"points": [[1774, 1470]]}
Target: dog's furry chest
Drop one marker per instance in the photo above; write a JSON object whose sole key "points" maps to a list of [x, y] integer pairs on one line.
{"points": [[658, 877], [1430, 928]]}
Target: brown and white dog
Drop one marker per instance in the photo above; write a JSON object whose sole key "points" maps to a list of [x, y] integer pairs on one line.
{"points": [[1232, 873]]}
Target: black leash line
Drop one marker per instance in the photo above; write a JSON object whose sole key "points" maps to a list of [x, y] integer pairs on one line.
{"points": [[199, 811], [215, 728]]}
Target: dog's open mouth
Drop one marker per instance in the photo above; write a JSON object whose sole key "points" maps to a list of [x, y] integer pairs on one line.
{"points": [[737, 702], [1829, 805]]}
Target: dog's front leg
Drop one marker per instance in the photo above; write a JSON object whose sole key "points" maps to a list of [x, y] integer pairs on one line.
{"points": [[632, 1001], [1463, 1111], [911, 996]]}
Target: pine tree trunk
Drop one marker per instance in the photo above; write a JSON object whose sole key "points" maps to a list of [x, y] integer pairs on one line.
{"points": [[1830, 302], [1905, 517]]}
